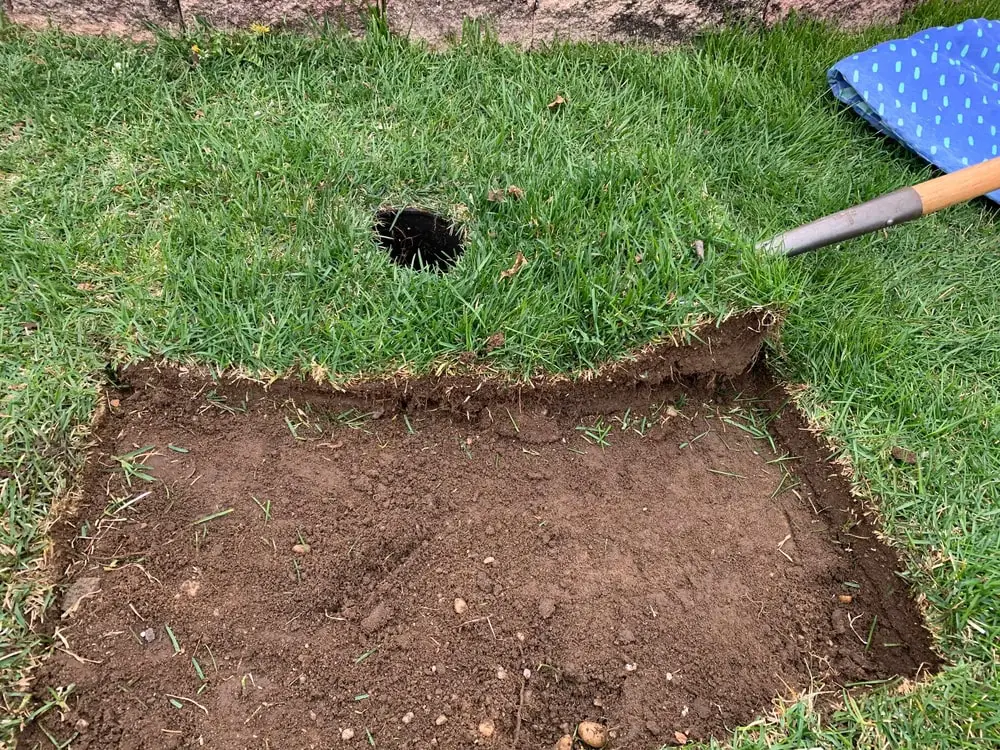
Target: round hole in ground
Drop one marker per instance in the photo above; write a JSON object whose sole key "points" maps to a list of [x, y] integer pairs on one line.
{"points": [[419, 239]]}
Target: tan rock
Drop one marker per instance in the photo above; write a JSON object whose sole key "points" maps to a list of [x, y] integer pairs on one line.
{"points": [[592, 733]]}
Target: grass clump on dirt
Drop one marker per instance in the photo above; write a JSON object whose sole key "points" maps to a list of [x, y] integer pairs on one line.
{"points": [[211, 198]]}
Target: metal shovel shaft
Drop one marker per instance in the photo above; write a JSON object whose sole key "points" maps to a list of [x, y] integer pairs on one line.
{"points": [[888, 210]]}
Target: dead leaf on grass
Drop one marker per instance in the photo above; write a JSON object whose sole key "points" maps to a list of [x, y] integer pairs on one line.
{"points": [[14, 134], [495, 341], [515, 192], [557, 102], [198, 114], [519, 262], [495, 196], [904, 456], [86, 286], [699, 249]]}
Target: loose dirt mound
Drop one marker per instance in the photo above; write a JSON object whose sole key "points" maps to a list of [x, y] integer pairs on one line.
{"points": [[293, 568]]}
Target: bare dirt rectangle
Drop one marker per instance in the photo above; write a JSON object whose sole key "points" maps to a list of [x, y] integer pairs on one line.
{"points": [[451, 564]]}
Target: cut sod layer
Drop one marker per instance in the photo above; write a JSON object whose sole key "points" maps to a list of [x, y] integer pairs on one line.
{"points": [[660, 547]]}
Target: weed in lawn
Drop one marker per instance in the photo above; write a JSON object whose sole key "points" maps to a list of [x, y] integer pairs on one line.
{"points": [[173, 639], [132, 466], [354, 419], [597, 433], [265, 508], [212, 516], [221, 402], [409, 427]]}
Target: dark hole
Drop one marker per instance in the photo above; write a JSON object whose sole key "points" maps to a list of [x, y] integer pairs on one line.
{"points": [[419, 239]]}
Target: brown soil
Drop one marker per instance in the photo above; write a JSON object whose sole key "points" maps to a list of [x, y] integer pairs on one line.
{"points": [[676, 581]]}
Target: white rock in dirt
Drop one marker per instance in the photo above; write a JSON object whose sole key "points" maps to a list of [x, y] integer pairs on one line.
{"points": [[489, 560], [487, 727], [461, 607], [191, 588], [441, 720], [501, 674], [148, 635], [565, 743], [347, 734], [408, 717], [301, 549]]}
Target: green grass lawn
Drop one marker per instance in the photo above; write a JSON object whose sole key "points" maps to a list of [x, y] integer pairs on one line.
{"points": [[220, 213]]}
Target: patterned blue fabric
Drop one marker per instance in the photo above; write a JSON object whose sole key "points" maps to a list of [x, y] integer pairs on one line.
{"points": [[938, 92]]}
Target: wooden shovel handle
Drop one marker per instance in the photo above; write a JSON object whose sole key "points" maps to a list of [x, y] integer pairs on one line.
{"points": [[958, 187]]}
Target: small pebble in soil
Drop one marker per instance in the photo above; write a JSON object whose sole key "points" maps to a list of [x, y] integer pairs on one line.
{"points": [[680, 738], [592, 733], [347, 734], [845, 598], [81, 725], [546, 608], [527, 674], [501, 674], [631, 667], [489, 560], [565, 743], [148, 635], [487, 727], [440, 720], [461, 607], [408, 717], [301, 549]]}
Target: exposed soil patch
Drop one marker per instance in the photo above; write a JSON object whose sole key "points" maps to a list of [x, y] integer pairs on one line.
{"points": [[662, 550], [418, 239]]}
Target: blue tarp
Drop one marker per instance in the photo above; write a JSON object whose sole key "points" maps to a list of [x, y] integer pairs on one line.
{"points": [[938, 92]]}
